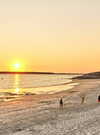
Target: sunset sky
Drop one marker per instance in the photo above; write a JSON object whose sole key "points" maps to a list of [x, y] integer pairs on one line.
{"points": [[50, 35]]}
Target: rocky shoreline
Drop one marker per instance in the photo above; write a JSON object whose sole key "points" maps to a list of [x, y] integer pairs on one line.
{"points": [[93, 75]]}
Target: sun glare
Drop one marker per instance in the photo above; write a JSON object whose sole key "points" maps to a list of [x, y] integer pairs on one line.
{"points": [[17, 65]]}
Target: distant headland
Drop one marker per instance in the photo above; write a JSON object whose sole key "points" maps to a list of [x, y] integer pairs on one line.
{"points": [[49, 73], [7, 72], [92, 75]]}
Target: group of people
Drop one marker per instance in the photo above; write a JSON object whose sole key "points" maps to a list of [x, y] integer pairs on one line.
{"points": [[61, 101]]}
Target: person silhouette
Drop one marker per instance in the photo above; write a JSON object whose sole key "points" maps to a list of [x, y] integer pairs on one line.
{"points": [[99, 98], [61, 102], [83, 99]]}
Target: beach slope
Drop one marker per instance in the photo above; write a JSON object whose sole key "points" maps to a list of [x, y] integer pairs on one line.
{"points": [[41, 114]]}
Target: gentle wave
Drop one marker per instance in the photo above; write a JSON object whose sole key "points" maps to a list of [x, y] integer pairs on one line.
{"points": [[12, 86]]}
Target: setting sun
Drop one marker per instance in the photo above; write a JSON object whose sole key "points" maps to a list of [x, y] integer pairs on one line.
{"points": [[17, 65]]}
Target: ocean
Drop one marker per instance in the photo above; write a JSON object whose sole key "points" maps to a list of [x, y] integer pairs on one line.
{"points": [[14, 85]]}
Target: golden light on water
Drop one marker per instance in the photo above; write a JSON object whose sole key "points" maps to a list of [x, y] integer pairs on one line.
{"points": [[16, 84], [17, 90]]}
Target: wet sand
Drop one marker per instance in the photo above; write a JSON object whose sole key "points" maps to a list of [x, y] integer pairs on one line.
{"points": [[41, 114]]}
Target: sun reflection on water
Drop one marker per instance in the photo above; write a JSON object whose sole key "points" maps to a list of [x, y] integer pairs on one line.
{"points": [[17, 90], [16, 84]]}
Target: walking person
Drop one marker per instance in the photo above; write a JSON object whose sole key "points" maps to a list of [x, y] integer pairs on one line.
{"points": [[83, 99], [99, 98], [61, 103]]}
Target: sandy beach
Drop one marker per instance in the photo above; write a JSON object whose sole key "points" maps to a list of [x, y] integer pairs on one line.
{"points": [[41, 114]]}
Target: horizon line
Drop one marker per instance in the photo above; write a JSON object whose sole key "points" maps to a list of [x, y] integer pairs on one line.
{"points": [[33, 72]]}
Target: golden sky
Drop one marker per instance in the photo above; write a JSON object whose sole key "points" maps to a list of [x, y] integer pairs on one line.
{"points": [[50, 35]]}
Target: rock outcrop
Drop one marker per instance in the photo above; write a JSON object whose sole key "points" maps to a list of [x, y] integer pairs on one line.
{"points": [[93, 75]]}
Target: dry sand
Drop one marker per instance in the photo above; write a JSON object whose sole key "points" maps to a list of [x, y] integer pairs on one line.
{"points": [[41, 115]]}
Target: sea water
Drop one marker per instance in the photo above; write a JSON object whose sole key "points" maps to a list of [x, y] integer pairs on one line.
{"points": [[25, 84]]}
